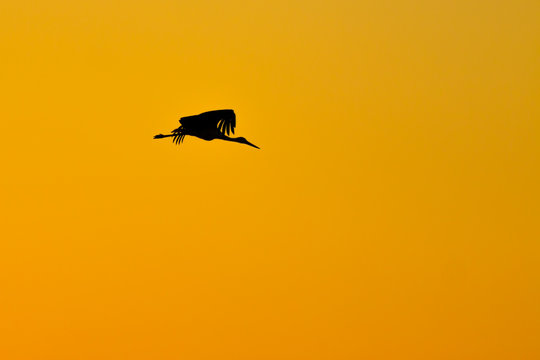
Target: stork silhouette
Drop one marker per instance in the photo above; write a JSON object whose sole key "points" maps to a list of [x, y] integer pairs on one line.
{"points": [[208, 126]]}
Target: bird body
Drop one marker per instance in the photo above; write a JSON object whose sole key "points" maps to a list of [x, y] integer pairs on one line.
{"points": [[210, 125]]}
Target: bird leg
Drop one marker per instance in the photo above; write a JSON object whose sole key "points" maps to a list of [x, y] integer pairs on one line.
{"points": [[160, 136]]}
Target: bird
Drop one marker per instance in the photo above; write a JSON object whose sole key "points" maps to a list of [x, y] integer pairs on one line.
{"points": [[209, 125]]}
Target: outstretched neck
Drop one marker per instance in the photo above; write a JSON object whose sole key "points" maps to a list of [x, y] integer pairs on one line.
{"points": [[228, 138], [240, 140]]}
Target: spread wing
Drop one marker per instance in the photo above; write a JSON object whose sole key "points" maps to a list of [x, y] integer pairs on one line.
{"points": [[223, 120], [178, 135]]}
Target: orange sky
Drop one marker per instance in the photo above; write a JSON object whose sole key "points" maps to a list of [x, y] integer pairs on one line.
{"points": [[391, 213]]}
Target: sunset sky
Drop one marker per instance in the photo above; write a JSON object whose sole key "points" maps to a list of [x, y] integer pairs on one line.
{"points": [[393, 211]]}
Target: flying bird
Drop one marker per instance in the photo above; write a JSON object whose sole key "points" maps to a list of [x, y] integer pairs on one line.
{"points": [[208, 126]]}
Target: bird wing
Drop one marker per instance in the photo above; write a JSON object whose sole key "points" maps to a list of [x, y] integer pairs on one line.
{"points": [[178, 135], [223, 120]]}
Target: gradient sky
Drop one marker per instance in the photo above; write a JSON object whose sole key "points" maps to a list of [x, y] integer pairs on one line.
{"points": [[392, 213]]}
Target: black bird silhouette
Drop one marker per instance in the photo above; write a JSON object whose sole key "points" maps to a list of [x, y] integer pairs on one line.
{"points": [[208, 126]]}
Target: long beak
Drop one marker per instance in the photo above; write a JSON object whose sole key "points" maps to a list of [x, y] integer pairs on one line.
{"points": [[250, 144]]}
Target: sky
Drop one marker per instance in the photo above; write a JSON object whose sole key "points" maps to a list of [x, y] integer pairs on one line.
{"points": [[391, 213]]}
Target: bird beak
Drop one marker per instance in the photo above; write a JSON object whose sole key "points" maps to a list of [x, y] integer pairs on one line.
{"points": [[250, 144]]}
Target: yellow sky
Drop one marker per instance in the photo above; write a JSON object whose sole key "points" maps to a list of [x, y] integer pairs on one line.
{"points": [[391, 213]]}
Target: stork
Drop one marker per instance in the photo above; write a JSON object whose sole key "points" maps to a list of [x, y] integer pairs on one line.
{"points": [[208, 126]]}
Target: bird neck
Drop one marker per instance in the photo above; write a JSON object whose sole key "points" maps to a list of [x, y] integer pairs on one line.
{"points": [[240, 140], [228, 138]]}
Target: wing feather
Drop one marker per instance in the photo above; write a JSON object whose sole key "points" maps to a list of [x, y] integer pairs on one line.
{"points": [[178, 135], [222, 120]]}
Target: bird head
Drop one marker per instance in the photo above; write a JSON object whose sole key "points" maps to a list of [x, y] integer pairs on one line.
{"points": [[244, 141]]}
